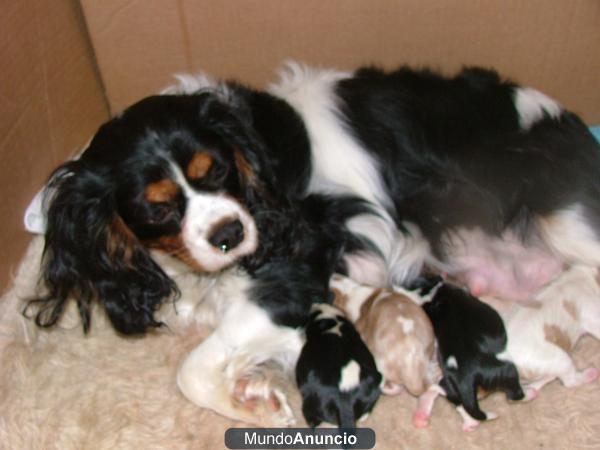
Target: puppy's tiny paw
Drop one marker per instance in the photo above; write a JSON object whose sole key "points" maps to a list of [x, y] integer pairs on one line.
{"points": [[530, 394], [591, 374], [420, 419], [491, 416], [470, 427]]}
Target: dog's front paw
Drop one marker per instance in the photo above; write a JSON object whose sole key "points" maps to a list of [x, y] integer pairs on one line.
{"points": [[264, 397]]}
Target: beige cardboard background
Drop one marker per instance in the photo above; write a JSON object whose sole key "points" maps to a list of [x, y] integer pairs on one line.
{"points": [[553, 45], [50, 103]]}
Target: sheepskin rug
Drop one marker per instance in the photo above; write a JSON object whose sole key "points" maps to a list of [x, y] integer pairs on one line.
{"points": [[61, 389]]}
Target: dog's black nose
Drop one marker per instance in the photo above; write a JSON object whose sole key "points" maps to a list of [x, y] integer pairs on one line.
{"points": [[227, 236]]}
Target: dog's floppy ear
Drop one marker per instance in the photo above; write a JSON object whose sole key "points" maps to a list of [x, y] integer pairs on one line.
{"points": [[91, 255]]}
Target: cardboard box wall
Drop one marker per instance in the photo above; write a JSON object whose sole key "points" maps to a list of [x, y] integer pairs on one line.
{"points": [[64, 61], [51, 101]]}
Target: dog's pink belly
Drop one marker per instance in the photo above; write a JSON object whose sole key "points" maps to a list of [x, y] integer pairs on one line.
{"points": [[503, 268], [518, 283]]}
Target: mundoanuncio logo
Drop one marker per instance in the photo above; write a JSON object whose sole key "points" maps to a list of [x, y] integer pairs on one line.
{"points": [[299, 438]]}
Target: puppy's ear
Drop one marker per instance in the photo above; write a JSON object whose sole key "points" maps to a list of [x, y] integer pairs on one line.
{"points": [[91, 255]]}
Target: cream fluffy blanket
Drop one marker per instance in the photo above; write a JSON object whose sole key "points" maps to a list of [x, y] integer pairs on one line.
{"points": [[62, 390]]}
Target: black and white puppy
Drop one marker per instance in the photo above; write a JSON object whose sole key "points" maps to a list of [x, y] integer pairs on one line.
{"points": [[336, 373], [368, 173], [470, 337]]}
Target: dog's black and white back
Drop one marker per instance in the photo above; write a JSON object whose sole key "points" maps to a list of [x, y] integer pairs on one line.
{"points": [[471, 339], [336, 373], [368, 173], [498, 179]]}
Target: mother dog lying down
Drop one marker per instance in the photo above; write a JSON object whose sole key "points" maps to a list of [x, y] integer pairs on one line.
{"points": [[367, 173]]}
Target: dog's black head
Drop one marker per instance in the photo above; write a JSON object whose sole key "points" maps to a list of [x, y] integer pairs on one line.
{"points": [[174, 173], [336, 373], [214, 178]]}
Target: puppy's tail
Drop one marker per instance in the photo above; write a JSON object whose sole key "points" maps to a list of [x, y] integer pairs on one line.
{"points": [[346, 417]]}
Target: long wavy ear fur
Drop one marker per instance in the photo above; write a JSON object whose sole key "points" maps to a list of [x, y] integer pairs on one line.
{"points": [[91, 255]]}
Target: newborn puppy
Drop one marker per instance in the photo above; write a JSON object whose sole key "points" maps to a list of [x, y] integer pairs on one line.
{"points": [[543, 332], [470, 336], [396, 330], [336, 373]]}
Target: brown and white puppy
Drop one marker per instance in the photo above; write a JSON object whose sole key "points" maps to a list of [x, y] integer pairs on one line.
{"points": [[543, 332], [395, 329]]}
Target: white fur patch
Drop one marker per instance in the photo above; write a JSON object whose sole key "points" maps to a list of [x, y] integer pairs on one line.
{"points": [[335, 329], [339, 161], [189, 84], [451, 362], [415, 297], [367, 268], [35, 218], [355, 294], [469, 423], [203, 212], [341, 165], [538, 359], [408, 325], [404, 253], [350, 376], [200, 82], [570, 235], [208, 373], [532, 105], [504, 356], [410, 252], [35, 215], [326, 311]]}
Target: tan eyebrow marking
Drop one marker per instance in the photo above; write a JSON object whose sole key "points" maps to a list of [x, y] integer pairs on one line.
{"points": [[161, 191], [199, 165]]}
